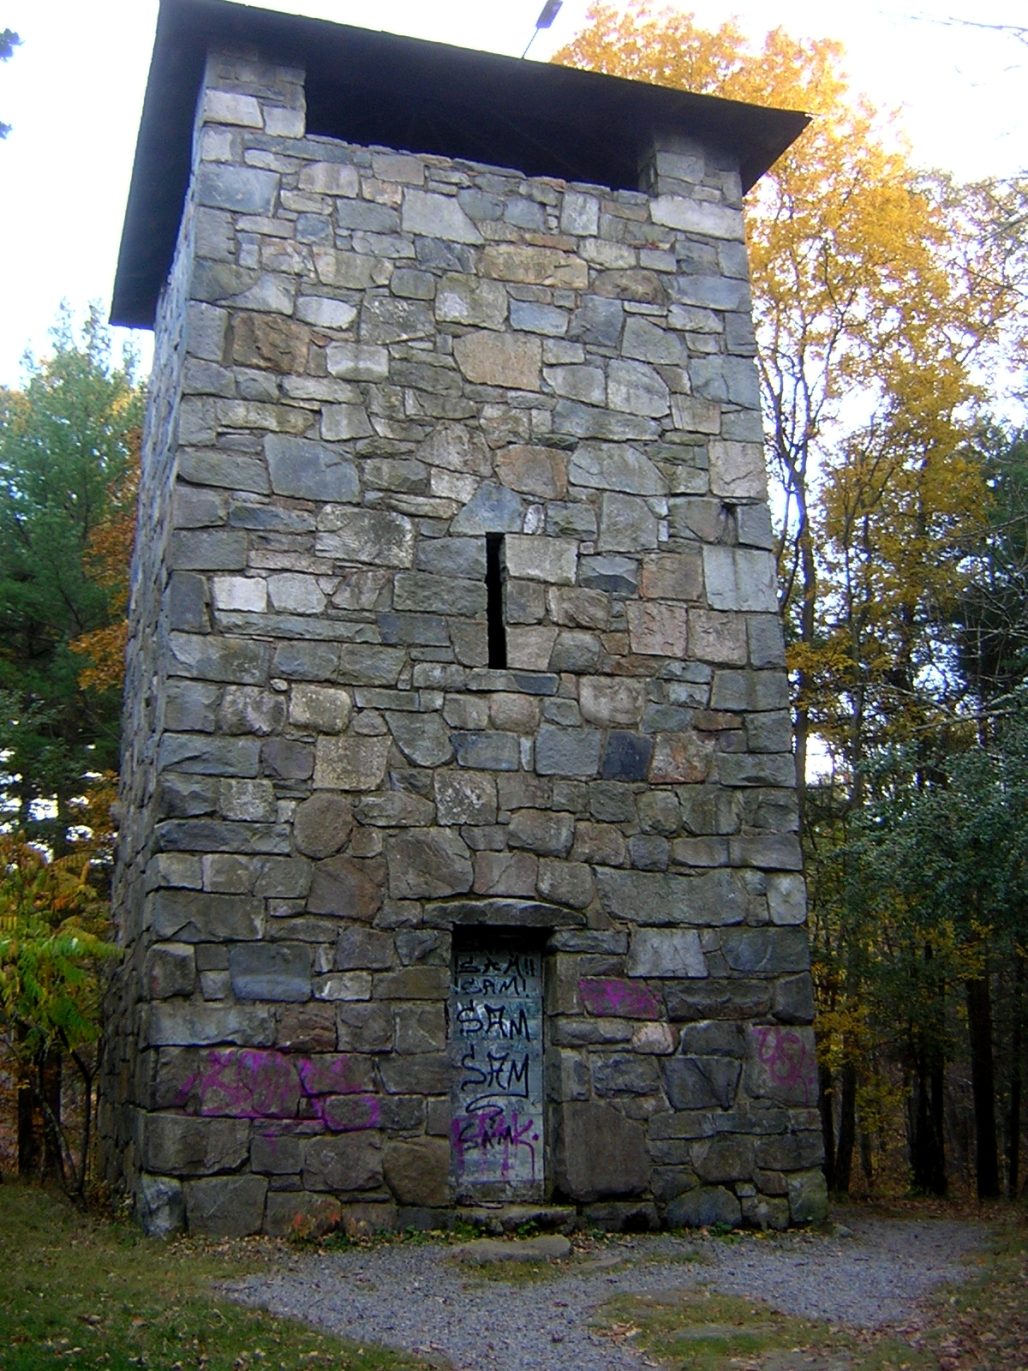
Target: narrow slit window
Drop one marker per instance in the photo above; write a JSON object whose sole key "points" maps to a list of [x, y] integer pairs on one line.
{"points": [[494, 571]]}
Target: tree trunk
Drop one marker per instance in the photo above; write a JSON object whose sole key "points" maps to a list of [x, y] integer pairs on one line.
{"points": [[39, 1117], [867, 1164], [927, 1147], [51, 1075], [1014, 1103], [983, 1086], [847, 1128], [826, 1104], [30, 1134]]}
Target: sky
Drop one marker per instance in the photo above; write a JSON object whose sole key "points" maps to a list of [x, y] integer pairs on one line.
{"points": [[73, 93]]}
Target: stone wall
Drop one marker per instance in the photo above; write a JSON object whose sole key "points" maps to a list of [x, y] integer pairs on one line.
{"points": [[370, 363]]}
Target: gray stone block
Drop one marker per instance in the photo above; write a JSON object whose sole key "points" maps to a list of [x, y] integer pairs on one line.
{"points": [[177, 1145], [179, 1023], [791, 1151], [207, 550], [542, 831], [615, 466], [767, 951], [586, 1172], [417, 590], [572, 419], [625, 1074], [567, 751], [226, 1207], [188, 603], [703, 1207], [271, 971], [666, 952], [707, 898], [210, 835], [422, 738], [492, 509], [740, 578], [728, 1157], [287, 760], [169, 969], [428, 863], [537, 318], [465, 797], [626, 756], [207, 658], [727, 999], [437, 216], [487, 751], [462, 557], [246, 190], [160, 1205], [808, 1197], [194, 916], [701, 1082]]}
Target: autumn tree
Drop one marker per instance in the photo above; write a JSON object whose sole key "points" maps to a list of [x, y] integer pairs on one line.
{"points": [[53, 942], [68, 462], [882, 295], [66, 444], [875, 286]]}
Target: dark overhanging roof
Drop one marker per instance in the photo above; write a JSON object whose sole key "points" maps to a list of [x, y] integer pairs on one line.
{"points": [[379, 88]]}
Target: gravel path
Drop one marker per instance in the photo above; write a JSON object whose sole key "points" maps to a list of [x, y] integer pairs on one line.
{"points": [[420, 1299]]}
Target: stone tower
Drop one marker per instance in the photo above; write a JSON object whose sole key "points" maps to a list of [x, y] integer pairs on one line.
{"points": [[458, 861]]}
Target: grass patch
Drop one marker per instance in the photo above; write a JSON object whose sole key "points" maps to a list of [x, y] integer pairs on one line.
{"points": [[515, 1272], [982, 1324], [707, 1331], [86, 1293]]}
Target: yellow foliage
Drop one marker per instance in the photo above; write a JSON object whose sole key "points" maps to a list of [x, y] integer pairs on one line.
{"points": [[108, 557], [878, 289]]}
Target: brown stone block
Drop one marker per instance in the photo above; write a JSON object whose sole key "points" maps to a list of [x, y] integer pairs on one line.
{"points": [[495, 359], [347, 888], [306, 1028], [644, 287], [417, 1171], [681, 758], [657, 629], [672, 576], [543, 266], [413, 983], [425, 1073], [270, 341], [538, 471]]}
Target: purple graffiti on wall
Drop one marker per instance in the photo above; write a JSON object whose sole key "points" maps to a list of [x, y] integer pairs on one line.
{"points": [[626, 999], [788, 1060], [493, 1130], [257, 1083]]}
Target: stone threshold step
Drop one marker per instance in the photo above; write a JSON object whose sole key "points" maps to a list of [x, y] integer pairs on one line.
{"points": [[508, 1218]]}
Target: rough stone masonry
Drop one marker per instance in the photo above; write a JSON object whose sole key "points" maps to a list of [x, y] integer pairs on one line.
{"points": [[459, 861]]}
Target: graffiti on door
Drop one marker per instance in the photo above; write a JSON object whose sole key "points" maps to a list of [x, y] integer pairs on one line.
{"points": [[496, 1044]]}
